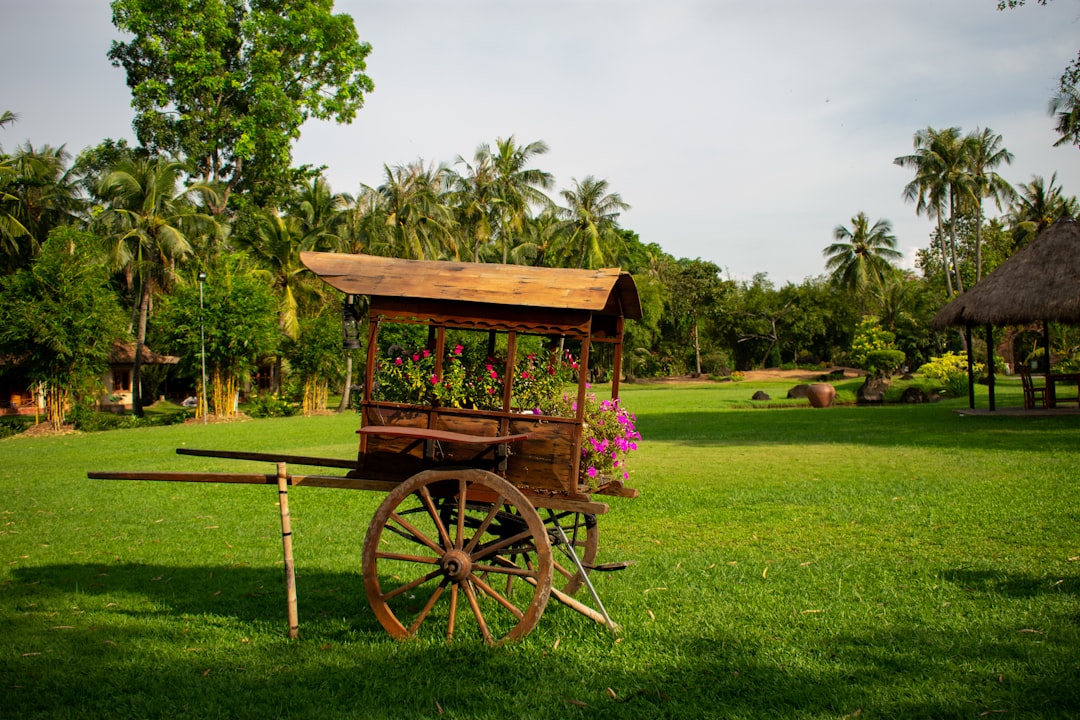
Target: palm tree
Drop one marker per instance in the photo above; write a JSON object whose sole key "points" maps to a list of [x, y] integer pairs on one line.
{"points": [[588, 223], [862, 256], [1039, 205], [152, 217], [38, 193], [414, 221], [941, 181], [473, 197], [517, 188], [984, 153], [1065, 108], [319, 211]]}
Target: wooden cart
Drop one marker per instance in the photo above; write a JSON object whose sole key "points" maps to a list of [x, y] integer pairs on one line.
{"points": [[488, 512]]}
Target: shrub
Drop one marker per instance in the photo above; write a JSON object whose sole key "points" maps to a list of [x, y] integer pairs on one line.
{"points": [[269, 405], [949, 371]]}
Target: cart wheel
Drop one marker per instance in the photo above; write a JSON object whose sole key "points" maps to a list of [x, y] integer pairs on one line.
{"points": [[446, 535]]}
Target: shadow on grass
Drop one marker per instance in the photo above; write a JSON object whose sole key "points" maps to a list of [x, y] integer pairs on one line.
{"points": [[136, 658], [244, 594], [1011, 585]]}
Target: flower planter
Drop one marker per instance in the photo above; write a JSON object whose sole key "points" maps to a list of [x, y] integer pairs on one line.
{"points": [[821, 395]]}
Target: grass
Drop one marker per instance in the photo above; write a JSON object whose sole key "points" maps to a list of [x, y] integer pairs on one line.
{"points": [[888, 562]]}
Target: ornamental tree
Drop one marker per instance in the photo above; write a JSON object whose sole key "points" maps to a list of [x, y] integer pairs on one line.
{"points": [[228, 83], [238, 321], [59, 320]]}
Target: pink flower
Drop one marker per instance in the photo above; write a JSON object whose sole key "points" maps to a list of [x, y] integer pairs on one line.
{"points": [[415, 358], [426, 353], [458, 349], [592, 471], [397, 361], [434, 379]]}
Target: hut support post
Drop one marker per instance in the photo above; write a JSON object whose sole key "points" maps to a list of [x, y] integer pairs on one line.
{"points": [[970, 367], [1046, 347], [990, 363], [286, 542]]}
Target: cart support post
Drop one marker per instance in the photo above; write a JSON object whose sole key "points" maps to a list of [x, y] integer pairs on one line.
{"points": [[286, 542], [604, 617]]}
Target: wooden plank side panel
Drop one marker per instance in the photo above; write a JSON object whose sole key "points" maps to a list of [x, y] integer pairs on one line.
{"points": [[399, 456], [467, 454], [543, 462]]}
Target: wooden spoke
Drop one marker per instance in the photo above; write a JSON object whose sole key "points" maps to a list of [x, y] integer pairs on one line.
{"points": [[422, 615], [476, 613], [414, 584], [447, 513], [425, 497], [497, 597], [452, 622], [419, 536], [463, 494]]}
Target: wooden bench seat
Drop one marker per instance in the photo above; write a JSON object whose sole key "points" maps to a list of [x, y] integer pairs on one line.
{"points": [[421, 433]]}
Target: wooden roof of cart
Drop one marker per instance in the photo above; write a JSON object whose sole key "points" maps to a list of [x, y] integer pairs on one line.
{"points": [[609, 291]]}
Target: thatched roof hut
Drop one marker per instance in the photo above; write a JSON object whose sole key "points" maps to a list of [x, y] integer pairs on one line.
{"points": [[1038, 283]]}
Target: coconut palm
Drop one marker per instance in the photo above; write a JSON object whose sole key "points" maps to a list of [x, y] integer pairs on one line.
{"points": [[984, 153], [862, 256], [518, 188], [413, 219], [473, 197], [941, 182], [38, 192], [1065, 108], [589, 219], [1039, 205], [152, 220], [319, 212]]}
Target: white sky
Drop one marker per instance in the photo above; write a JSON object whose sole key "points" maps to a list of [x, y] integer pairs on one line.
{"points": [[740, 132]]}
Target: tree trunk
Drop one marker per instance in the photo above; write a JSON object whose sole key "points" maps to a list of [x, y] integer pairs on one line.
{"points": [[140, 341], [944, 260], [978, 246], [347, 392], [952, 247], [697, 348]]}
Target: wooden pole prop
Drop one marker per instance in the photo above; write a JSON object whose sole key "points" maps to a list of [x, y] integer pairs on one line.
{"points": [[286, 542]]}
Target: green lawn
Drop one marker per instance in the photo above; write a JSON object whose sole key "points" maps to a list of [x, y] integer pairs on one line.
{"points": [[889, 562]]}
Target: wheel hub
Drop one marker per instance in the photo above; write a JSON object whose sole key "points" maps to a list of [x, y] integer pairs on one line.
{"points": [[456, 565]]}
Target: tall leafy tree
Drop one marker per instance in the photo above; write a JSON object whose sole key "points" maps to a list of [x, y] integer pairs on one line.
{"points": [[693, 289], [151, 217], [228, 83], [862, 256], [236, 323]]}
